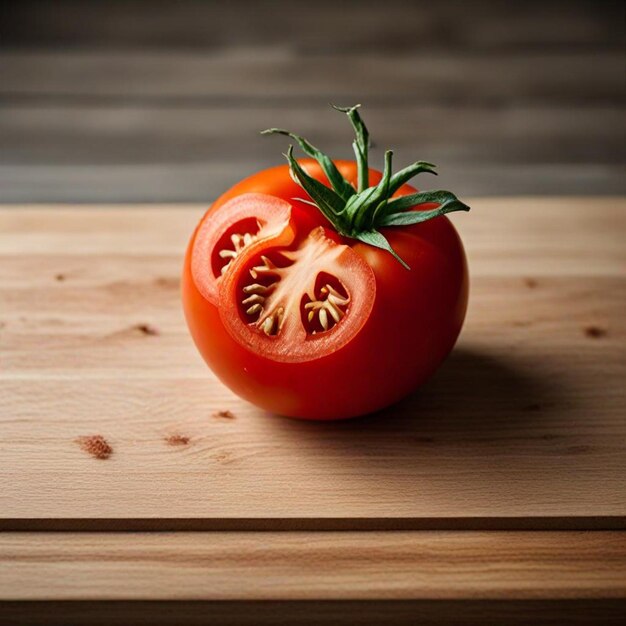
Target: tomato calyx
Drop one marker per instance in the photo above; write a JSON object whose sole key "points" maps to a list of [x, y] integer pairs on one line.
{"points": [[360, 213]]}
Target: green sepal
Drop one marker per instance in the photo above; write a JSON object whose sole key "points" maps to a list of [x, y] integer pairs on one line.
{"points": [[378, 240], [328, 202], [397, 215], [405, 175], [341, 186]]}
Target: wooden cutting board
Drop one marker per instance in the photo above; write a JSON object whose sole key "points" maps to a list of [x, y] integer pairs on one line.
{"points": [[111, 421]]}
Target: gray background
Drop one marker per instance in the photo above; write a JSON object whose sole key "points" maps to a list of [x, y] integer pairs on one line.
{"points": [[161, 101]]}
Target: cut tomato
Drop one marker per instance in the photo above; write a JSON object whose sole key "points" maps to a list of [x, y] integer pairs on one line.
{"points": [[297, 305]]}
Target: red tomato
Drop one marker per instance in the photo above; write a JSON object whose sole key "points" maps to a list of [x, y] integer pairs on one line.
{"points": [[307, 323]]}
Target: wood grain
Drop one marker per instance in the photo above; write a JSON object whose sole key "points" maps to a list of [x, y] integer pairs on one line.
{"points": [[142, 151], [124, 76], [313, 566], [522, 428]]}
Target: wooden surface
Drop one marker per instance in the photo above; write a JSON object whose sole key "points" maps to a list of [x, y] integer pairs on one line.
{"points": [[430, 501], [160, 101], [523, 426]]}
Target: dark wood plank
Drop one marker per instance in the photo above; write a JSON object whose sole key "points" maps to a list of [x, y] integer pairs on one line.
{"points": [[270, 76], [153, 134], [364, 25], [475, 612]]}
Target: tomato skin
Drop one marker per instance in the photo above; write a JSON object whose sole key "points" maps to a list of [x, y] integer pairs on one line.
{"points": [[416, 319]]}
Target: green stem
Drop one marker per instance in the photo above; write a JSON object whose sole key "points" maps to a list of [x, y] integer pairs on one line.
{"points": [[360, 145]]}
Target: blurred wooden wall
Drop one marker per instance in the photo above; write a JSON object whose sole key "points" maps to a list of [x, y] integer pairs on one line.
{"points": [[163, 101]]}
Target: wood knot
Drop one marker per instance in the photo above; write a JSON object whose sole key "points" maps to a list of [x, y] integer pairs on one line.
{"points": [[147, 329], [177, 440], [595, 332], [229, 415], [95, 445], [223, 457]]}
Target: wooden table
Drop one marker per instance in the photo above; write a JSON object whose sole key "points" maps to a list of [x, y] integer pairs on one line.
{"points": [[131, 477]]}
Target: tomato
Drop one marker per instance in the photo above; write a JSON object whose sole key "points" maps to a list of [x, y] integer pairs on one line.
{"points": [[304, 320]]}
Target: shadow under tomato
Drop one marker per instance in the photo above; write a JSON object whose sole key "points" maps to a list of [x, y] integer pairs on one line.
{"points": [[476, 392], [483, 425], [486, 393]]}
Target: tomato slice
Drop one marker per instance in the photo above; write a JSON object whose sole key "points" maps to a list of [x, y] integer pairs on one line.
{"points": [[245, 222], [298, 303]]}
